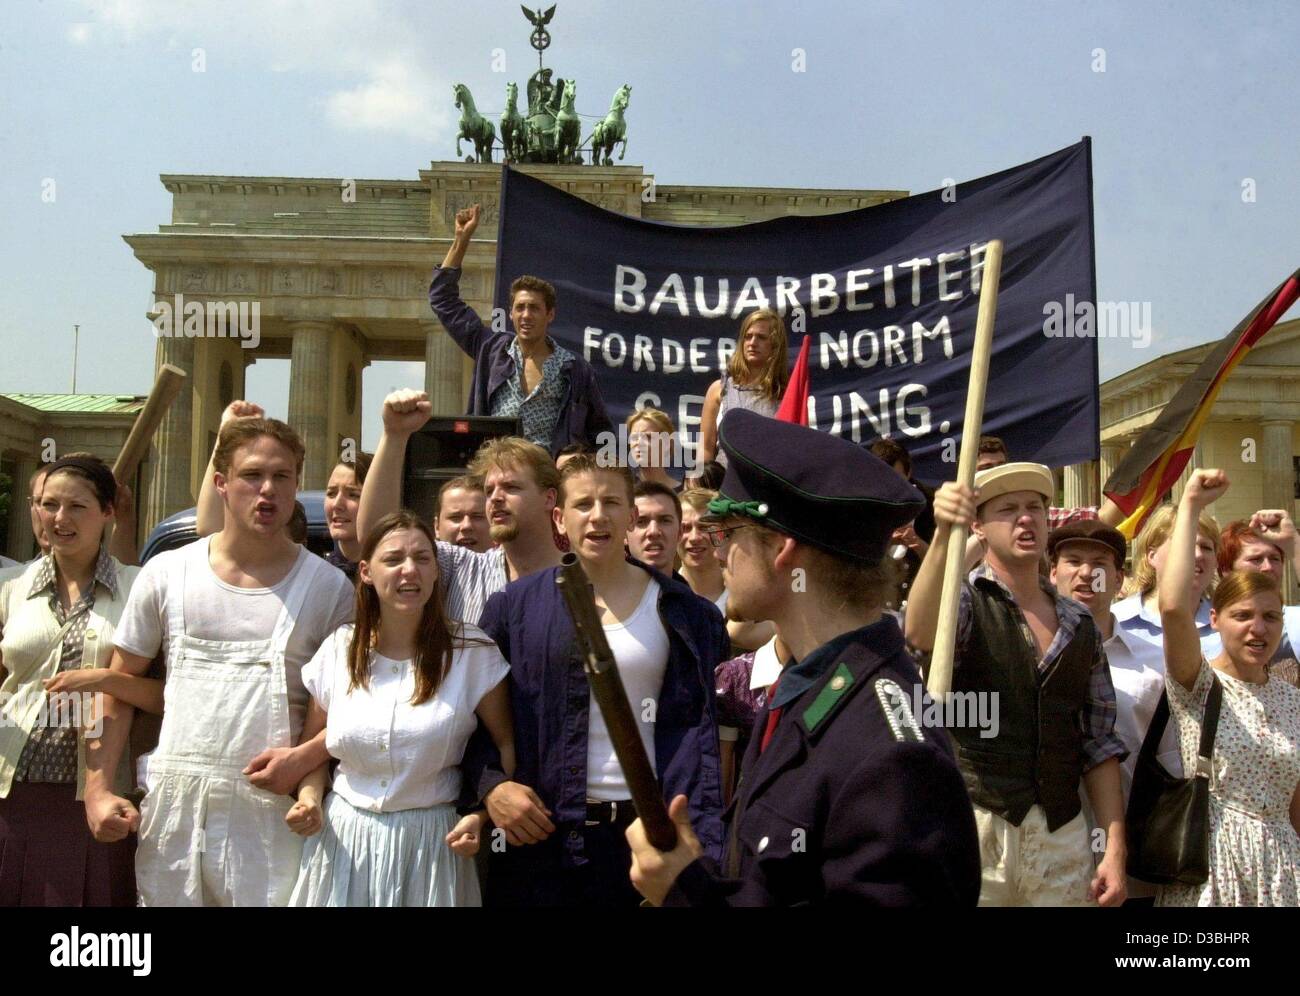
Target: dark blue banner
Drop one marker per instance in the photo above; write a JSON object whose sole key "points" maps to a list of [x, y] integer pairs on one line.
{"points": [[888, 293]]}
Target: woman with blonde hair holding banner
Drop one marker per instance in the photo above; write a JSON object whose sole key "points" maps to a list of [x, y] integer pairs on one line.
{"points": [[755, 378]]}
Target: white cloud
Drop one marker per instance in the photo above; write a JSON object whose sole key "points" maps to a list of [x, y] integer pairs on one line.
{"points": [[395, 99], [372, 67]]}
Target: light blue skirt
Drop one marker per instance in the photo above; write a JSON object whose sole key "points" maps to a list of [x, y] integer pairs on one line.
{"points": [[361, 858]]}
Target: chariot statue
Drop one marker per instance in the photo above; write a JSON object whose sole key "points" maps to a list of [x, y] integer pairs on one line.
{"points": [[550, 129]]}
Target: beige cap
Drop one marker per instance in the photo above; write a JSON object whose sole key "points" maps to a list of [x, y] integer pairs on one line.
{"points": [[1008, 477]]}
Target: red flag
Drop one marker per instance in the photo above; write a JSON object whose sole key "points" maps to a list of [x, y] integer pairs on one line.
{"points": [[794, 403], [1160, 454]]}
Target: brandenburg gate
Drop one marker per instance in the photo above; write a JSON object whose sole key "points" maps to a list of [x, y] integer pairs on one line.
{"points": [[338, 269]]}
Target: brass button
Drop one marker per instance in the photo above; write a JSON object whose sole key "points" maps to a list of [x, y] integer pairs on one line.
{"points": [[838, 683]]}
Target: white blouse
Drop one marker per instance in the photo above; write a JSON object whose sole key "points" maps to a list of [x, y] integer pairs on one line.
{"points": [[394, 755]]}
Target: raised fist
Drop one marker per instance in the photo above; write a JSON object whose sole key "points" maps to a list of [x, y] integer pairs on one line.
{"points": [[405, 411], [1205, 487], [242, 409], [1275, 526], [467, 221]]}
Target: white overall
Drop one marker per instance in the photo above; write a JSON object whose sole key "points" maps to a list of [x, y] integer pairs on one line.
{"points": [[207, 836]]}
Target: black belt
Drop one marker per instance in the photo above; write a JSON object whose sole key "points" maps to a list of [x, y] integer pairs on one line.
{"points": [[619, 814]]}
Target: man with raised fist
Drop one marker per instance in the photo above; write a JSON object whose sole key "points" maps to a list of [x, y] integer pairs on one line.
{"points": [[528, 375], [520, 483]]}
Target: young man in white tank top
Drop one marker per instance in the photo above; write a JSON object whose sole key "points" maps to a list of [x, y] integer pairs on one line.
{"points": [[236, 616], [564, 810]]}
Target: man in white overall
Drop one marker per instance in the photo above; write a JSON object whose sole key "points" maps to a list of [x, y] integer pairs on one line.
{"points": [[238, 615]]}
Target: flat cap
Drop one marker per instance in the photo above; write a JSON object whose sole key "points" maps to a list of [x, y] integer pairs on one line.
{"points": [[1008, 477], [823, 490], [1089, 531]]}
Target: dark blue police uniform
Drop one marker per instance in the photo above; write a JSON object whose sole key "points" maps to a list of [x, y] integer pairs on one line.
{"points": [[852, 800]]}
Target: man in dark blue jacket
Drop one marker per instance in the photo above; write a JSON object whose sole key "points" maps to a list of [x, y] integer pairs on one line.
{"points": [[561, 842], [527, 375], [844, 798]]}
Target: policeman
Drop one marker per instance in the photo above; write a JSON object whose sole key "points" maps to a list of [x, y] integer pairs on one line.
{"points": [[844, 796]]}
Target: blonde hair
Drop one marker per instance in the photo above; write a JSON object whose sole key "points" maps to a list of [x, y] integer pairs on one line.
{"points": [[589, 463], [654, 416], [1155, 533], [771, 380], [697, 498], [512, 451]]}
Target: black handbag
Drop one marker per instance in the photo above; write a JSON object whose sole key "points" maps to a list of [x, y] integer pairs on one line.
{"points": [[1168, 818]]}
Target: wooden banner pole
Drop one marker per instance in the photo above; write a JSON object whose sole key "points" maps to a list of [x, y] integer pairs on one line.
{"points": [[939, 678]]}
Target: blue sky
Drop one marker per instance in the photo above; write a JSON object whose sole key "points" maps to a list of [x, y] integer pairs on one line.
{"points": [[1195, 99]]}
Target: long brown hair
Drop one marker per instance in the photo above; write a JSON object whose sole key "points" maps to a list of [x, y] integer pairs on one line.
{"points": [[770, 381], [434, 640]]}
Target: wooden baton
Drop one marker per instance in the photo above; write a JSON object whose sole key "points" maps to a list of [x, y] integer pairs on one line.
{"points": [[166, 386]]}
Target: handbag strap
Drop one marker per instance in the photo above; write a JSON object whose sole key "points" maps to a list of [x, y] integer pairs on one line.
{"points": [[1209, 726], [55, 641]]}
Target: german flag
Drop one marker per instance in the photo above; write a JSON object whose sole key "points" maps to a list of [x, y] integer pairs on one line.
{"points": [[1160, 454]]}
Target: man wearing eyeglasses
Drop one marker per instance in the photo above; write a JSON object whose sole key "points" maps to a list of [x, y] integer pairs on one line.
{"points": [[844, 798]]}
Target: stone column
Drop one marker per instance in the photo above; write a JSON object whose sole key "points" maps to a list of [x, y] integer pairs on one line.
{"points": [[1111, 456], [443, 363], [1276, 457], [1079, 485], [347, 361], [22, 541], [218, 380], [309, 399], [168, 488]]}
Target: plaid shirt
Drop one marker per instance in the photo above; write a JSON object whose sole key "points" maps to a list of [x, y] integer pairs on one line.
{"points": [[1097, 717], [1057, 517]]}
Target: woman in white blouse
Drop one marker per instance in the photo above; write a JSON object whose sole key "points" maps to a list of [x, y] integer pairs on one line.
{"points": [[1255, 776], [397, 693]]}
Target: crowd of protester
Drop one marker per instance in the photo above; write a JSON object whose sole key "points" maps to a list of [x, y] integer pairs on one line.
{"points": [[404, 721]]}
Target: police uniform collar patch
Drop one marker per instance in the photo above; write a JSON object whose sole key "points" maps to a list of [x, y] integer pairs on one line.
{"points": [[824, 704]]}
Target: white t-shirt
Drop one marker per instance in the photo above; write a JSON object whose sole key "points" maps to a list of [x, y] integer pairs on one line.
{"points": [[215, 610], [394, 755], [640, 646], [721, 603]]}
